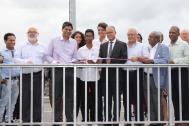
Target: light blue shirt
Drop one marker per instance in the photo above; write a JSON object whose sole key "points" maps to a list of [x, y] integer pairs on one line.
{"points": [[9, 59]]}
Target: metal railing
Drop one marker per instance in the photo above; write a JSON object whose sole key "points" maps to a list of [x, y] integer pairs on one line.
{"points": [[106, 67]]}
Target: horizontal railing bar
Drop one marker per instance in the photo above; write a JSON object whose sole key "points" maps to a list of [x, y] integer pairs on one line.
{"points": [[81, 123], [94, 65]]}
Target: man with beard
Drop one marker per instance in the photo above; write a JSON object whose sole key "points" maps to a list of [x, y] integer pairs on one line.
{"points": [[32, 52]]}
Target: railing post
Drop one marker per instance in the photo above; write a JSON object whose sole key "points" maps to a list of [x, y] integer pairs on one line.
{"points": [[170, 96]]}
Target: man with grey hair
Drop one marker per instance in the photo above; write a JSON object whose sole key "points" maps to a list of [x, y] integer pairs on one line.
{"points": [[136, 52], [31, 52], [184, 34]]}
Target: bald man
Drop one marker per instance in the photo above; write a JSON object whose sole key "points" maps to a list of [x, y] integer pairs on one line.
{"points": [[117, 50], [32, 52], [184, 34], [159, 54]]}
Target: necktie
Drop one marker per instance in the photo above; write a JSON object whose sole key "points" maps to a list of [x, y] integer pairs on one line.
{"points": [[12, 52], [110, 49]]}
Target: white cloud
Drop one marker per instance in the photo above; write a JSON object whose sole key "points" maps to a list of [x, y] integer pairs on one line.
{"points": [[48, 16]]}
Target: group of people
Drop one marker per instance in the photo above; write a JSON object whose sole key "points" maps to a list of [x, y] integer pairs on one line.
{"points": [[112, 83]]}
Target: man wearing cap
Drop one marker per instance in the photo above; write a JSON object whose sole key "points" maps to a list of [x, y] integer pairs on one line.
{"points": [[32, 52]]}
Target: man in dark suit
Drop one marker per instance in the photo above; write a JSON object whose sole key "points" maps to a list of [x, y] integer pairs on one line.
{"points": [[115, 51]]}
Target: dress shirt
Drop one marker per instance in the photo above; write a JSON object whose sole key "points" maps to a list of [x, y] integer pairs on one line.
{"points": [[153, 51], [97, 43], [136, 50], [179, 52], [9, 59], [152, 54], [31, 52], [88, 74], [62, 51]]}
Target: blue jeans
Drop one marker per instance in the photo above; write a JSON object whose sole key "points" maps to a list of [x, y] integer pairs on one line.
{"points": [[8, 97]]}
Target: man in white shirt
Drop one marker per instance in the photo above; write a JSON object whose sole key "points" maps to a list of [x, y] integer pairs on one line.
{"points": [[32, 52], [89, 54], [102, 35], [179, 54], [97, 43], [136, 51], [184, 34]]}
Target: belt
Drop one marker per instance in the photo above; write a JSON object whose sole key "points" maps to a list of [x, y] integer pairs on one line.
{"points": [[34, 73], [12, 78], [147, 74]]}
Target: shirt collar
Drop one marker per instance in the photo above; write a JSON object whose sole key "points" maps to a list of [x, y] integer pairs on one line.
{"points": [[88, 48], [29, 43], [113, 40], [62, 39], [177, 42], [9, 50], [103, 41], [155, 47], [133, 45]]}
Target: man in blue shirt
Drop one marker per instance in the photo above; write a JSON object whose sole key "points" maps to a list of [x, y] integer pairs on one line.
{"points": [[9, 85]]}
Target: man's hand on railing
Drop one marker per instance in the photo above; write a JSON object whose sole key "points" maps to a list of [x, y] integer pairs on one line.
{"points": [[90, 62], [142, 59], [3, 81], [171, 62], [29, 62], [148, 61], [133, 59], [99, 61]]}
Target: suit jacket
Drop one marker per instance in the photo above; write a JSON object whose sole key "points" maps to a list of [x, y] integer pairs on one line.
{"points": [[119, 51], [161, 57]]}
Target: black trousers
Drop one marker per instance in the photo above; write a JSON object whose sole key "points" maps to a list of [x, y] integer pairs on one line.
{"points": [[100, 100], [133, 94], [112, 94], [58, 93], [90, 100], [184, 93], [114, 100], [69, 88], [26, 97], [153, 99], [79, 102]]}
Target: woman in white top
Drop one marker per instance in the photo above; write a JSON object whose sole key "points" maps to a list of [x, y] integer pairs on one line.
{"points": [[80, 39]]}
